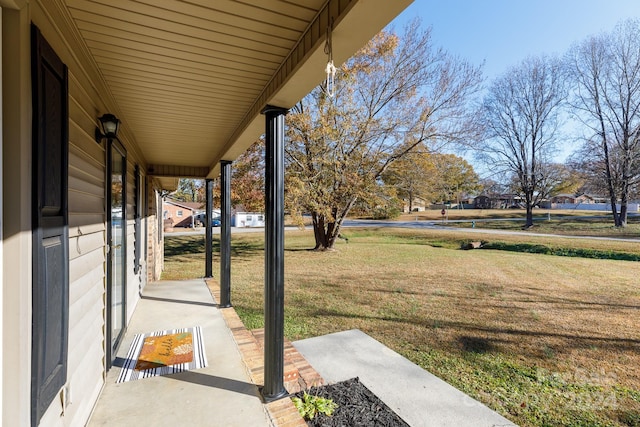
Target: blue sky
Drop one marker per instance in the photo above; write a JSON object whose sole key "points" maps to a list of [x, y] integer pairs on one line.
{"points": [[504, 32]]}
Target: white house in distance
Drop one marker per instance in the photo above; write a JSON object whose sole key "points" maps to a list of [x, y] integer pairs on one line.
{"points": [[105, 105], [247, 219]]}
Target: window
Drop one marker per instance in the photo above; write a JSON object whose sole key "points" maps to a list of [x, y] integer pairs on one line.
{"points": [[178, 213]]}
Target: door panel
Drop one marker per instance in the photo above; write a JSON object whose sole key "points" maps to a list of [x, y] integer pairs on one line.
{"points": [[50, 284], [116, 259]]}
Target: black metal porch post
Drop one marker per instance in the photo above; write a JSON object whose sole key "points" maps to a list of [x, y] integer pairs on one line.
{"points": [[208, 238], [225, 233], [274, 255]]}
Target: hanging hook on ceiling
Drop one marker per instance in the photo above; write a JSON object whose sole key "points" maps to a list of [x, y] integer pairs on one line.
{"points": [[330, 69]]}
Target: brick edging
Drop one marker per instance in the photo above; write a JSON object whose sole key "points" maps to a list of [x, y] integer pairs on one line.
{"points": [[298, 375]]}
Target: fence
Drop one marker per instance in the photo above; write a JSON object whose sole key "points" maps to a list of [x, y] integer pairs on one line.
{"points": [[631, 207]]}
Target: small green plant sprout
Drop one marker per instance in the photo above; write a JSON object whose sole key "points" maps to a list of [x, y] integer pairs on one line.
{"points": [[309, 406]]}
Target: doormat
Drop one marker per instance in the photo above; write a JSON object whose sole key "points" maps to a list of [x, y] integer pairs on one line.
{"points": [[165, 350], [164, 353]]}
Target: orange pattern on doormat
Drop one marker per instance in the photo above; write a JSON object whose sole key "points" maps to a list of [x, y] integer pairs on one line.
{"points": [[165, 350]]}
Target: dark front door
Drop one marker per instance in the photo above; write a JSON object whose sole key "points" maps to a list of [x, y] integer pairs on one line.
{"points": [[50, 226], [116, 249]]}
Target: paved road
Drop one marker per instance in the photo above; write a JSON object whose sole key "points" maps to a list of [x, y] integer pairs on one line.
{"points": [[437, 225], [216, 230], [433, 225]]}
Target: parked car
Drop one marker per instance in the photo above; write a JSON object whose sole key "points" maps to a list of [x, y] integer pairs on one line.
{"points": [[215, 222], [201, 218]]}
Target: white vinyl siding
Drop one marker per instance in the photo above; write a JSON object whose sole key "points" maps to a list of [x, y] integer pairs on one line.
{"points": [[87, 258], [87, 238]]}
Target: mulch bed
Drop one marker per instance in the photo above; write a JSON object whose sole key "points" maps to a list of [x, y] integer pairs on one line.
{"points": [[357, 407]]}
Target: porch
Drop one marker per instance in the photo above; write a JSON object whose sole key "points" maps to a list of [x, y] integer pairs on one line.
{"points": [[225, 393], [223, 387]]}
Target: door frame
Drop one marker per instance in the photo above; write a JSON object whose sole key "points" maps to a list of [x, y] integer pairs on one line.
{"points": [[111, 349]]}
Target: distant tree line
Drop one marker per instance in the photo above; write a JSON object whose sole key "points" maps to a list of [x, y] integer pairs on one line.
{"points": [[597, 83]]}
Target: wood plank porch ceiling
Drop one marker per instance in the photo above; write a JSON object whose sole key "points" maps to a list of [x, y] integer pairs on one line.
{"points": [[188, 78]]}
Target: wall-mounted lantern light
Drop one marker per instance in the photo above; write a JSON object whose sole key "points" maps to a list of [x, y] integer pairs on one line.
{"points": [[109, 125]]}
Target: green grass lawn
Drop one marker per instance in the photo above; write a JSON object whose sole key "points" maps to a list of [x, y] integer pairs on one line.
{"points": [[545, 340]]}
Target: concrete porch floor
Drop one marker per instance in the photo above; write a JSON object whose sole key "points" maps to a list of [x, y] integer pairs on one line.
{"points": [[225, 392], [221, 394]]}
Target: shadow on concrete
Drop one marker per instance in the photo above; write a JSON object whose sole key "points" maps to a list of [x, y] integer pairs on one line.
{"points": [[206, 304], [214, 381]]}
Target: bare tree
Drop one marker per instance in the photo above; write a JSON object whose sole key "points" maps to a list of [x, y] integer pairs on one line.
{"points": [[599, 167], [520, 114], [605, 70]]}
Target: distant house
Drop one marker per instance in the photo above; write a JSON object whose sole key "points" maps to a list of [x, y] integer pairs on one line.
{"points": [[417, 205], [181, 214], [497, 201], [247, 219], [594, 198], [483, 202], [564, 198], [572, 198]]}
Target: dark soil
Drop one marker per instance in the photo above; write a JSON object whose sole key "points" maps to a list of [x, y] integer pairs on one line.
{"points": [[357, 407]]}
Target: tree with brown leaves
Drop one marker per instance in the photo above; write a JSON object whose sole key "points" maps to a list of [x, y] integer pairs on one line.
{"points": [[395, 94]]}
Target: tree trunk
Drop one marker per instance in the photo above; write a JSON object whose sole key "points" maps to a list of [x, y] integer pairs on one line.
{"points": [[318, 231], [529, 222], [614, 211], [528, 197], [626, 178], [325, 232], [609, 175], [611, 188], [531, 185], [622, 218]]}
